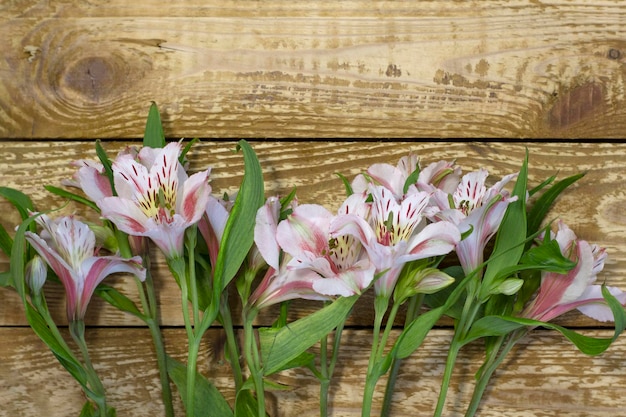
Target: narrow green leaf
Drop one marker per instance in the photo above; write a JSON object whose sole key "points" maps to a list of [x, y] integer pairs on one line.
{"points": [[246, 404], [71, 196], [511, 236], [503, 325], [540, 208], [21, 201], [118, 300], [6, 242], [239, 230], [106, 163], [414, 334], [346, 184], [280, 347], [186, 149], [65, 358], [89, 410], [411, 179], [208, 401], [153, 136], [541, 186], [6, 280]]}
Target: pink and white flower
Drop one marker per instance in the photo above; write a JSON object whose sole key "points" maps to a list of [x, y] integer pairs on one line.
{"points": [[155, 197], [314, 264], [474, 207], [443, 175], [560, 293], [68, 246], [395, 233]]}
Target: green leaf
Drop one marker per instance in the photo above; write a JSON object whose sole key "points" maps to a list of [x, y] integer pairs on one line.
{"points": [[118, 300], [71, 196], [21, 201], [503, 325], [89, 410], [411, 179], [153, 136], [65, 357], [541, 207], [346, 184], [186, 149], [281, 346], [541, 186], [6, 280], [106, 163], [6, 243], [239, 230], [208, 401], [511, 236], [246, 404], [414, 334]]}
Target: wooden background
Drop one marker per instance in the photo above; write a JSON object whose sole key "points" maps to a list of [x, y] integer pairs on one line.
{"points": [[439, 78]]}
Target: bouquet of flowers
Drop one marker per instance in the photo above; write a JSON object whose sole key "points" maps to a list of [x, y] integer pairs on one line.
{"points": [[427, 238]]}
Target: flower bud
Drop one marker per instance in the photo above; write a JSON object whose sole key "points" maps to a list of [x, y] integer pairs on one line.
{"points": [[509, 286], [36, 273], [424, 281]]}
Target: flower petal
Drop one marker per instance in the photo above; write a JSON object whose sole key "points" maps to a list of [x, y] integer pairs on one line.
{"points": [[125, 214]]}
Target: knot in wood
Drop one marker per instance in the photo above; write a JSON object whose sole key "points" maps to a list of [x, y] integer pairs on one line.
{"points": [[94, 78]]}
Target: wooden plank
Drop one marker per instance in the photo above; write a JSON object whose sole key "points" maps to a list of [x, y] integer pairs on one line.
{"points": [[539, 378], [324, 69], [592, 207]]}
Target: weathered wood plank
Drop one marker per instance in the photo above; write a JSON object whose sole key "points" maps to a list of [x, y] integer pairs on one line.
{"points": [[300, 69], [538, 380], [593, 207]]}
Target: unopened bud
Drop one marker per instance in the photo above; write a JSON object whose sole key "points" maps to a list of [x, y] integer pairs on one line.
{"points": [[36, 273]]}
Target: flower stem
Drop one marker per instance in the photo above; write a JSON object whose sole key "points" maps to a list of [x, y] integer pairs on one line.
{"points": [[415, 304], [328, 368], [252, 357], [97, 394], [381, 304], [491, 364], [178, 268], [149, 306], [231, 340], [470, 309]]}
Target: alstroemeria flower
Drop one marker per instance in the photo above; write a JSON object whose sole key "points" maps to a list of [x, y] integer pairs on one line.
{"points": [[443, 175], [68, 246], [155, 197], [474, 207], [395, 233], [339, 259], [280, 283], [560, 293]]}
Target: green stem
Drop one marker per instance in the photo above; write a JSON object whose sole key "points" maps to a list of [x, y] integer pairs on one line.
{"points": [[380, 307], [325, 379], [490, 367], [252, 357], [178, 268], [77, 330], [470, 309], [415, 304], [231, 340]]}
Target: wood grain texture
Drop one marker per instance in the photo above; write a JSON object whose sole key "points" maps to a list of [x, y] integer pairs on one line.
{"points": [[539, 379], [592, 207], [314, 69]]}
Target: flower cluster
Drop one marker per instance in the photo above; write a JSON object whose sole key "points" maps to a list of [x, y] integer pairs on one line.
{"points": [[440, 241]]}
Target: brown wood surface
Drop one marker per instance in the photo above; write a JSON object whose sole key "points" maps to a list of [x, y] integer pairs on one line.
{"points": [[74, 69], [72, 72]]}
